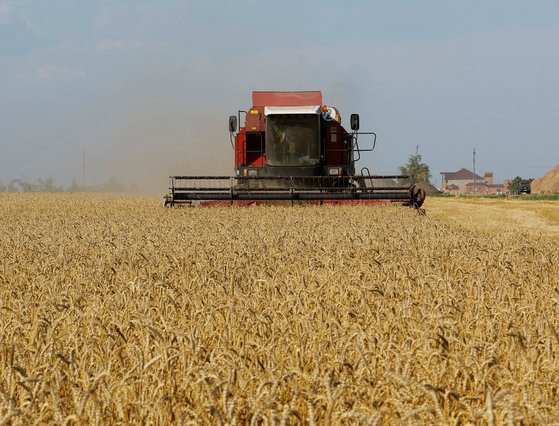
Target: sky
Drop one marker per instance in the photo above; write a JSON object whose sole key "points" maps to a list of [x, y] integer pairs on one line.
{"points": [[145, 87]]}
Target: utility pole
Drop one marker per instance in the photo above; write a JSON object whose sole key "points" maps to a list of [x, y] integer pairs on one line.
{"points": [[474, 173], [83, 169], [416, 150]]}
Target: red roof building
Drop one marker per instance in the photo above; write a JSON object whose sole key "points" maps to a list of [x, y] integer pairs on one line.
{"points": [[462, 174], [460, 179], [465, 181]]}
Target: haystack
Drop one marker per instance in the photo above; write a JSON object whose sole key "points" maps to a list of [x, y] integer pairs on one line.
{"points": [[428, 188], [549, 184]]}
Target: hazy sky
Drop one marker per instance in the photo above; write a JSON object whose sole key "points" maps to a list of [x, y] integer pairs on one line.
{"points": [[145, 87]]}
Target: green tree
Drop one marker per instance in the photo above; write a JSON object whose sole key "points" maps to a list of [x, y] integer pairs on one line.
{"points": [[519, 185], [20, 185], [74, 187], [416, 167], [514, 185], [47, 186]]}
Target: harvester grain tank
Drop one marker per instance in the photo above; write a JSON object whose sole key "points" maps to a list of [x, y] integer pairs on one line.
{"points": [[292, 147]]}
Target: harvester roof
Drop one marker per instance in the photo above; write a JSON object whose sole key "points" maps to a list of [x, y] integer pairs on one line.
{"points": [[262, 99]]}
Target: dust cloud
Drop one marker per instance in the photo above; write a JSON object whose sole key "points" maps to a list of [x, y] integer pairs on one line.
{"points": [[160, 127], [161, 124]]}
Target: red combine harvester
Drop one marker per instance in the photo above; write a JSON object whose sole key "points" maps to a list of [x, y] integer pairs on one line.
{"points": [[293, 148]]}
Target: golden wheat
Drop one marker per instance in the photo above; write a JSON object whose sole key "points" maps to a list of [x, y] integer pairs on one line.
{"points": [[118, 311]]}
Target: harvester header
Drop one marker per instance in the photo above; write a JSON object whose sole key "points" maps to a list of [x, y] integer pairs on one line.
{"points": [[294, 148]]}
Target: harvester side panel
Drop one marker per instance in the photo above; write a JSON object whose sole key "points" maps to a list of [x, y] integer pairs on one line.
{"points": [[255, 146], [255, 120], [337, 147], [240, 148], [249, 149]]}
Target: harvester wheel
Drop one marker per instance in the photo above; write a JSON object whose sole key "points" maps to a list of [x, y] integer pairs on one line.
{"points": [[418, 197], [167, 201]]}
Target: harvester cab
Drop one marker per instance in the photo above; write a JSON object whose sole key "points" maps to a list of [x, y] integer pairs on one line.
{"points": [[293, 148]]}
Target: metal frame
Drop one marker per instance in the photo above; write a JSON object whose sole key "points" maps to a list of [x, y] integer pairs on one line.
{"points": [[186, 189], [354, 148]]}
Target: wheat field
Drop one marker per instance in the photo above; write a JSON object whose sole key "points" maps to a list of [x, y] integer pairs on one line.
{"points": [[115, 310]]}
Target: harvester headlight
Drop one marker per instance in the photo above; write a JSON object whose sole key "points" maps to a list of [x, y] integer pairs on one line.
{"points": [[252, 172], [245, 172], [334, 171]]}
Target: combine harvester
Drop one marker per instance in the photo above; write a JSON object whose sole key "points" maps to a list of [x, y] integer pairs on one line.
{"points": [[293, 148]]}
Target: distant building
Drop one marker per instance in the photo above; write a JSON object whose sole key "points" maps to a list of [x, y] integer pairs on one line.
{"points": [[460, 179], [465, 181], [497, 188], [452, 189], [478, 188]]}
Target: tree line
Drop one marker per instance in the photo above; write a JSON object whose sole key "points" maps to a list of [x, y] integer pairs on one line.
{"points": [[48, 185]]}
